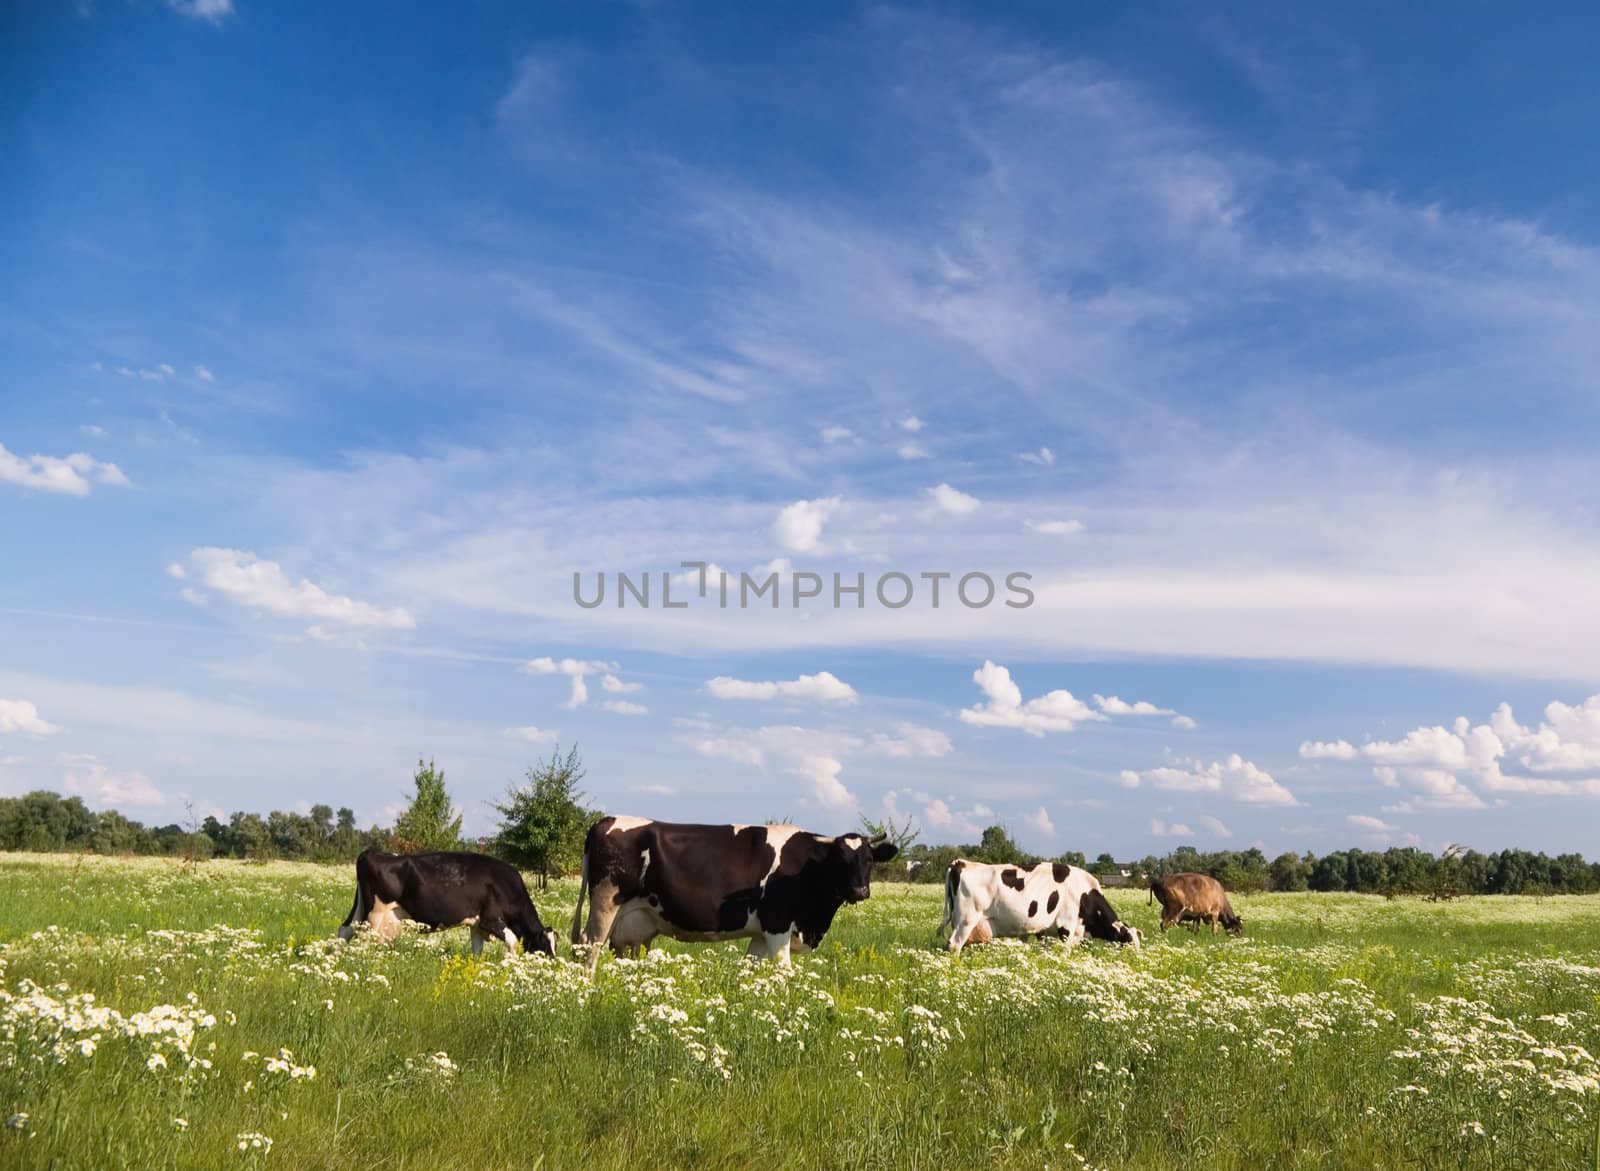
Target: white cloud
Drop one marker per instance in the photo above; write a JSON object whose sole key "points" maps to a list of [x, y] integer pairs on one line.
{"points": [[1043, 456], [911, 740], [1112, 706], [740, 750], [1161, 829], [210, 11], [1056, 711], [913, 451], [531, 734], [578, 670], [1368, 824], [911, 423], [823, 687], [1561, 757], [1215, 827], [86, 776], [20, 715], [836, 434], [953, 500], [1327, 750], [821, 774], [799, 525], [93, 430], [654, 790], [1057, 528], [250, 581], [204, 375], [1039, 821], [623, 707], [1184, 723], [1235, 778], [951, 822], [71, 475]]}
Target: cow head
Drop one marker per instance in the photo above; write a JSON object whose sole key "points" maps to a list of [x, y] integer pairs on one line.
{"points": [[850, 860], [536, 937], [1100, 920], [1231, 923]]}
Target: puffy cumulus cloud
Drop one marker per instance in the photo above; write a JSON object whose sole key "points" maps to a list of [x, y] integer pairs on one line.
{"points": [[1376, 830], [1215, 827], [1328, 750], [823, 687], [913, 450], [799, 525], [912, 424], [1176, 829], [1044, 456], [20, 715], [258, 584], [836, 434], [910, 741], [578, 670], [1039, 822], [944, 815], [1455, 766], [1055, 711], [531, 734], [816, 757], [85, 775], [1234, 778], [1112, 706], [70, 475], [953, 500]]}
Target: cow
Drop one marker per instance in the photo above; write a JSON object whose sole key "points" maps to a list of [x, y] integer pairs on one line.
{"points": [[446, 889], [982, 900], [776, 885], [1195, 898]]}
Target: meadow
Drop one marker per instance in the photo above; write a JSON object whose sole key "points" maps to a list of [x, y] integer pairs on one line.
{"points": [[157, 1015]]}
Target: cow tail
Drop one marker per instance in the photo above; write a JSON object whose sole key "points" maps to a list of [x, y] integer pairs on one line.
{"points": [[583, 886], [952, 881]]}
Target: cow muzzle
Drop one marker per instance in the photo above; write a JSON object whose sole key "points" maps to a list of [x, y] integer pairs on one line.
{"points": [[858, 894]]}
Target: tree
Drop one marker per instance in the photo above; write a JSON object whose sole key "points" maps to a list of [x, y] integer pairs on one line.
{"points": [[428, 824], [543, 822], [1289, 872]]}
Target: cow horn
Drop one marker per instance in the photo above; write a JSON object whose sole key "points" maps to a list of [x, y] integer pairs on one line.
{"points": [[876, 838]]}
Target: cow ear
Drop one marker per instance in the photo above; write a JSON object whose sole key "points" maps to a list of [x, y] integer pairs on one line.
{"points": [[883, 850]]}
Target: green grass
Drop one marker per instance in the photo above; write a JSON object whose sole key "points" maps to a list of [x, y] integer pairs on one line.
{"points": [[1341, 1031]]}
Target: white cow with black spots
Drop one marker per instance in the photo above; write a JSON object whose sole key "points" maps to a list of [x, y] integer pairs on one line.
{"points": [[982, 900]]}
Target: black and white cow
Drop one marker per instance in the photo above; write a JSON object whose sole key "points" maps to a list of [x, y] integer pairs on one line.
{"points": [[446, 889], [982, 901], [776, 885]]}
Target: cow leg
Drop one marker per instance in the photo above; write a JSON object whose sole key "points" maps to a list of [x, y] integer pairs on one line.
{"points": [[1167, 920], [355, 916], [604, 902], [778, 948], [962, 933], [757, 949], [478, 940], [1213, 925]]}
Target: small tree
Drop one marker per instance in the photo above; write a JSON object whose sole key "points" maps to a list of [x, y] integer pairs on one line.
{"points": [[543, 822], [428, 824]]}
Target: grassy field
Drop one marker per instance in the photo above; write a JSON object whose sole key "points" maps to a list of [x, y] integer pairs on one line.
{"points": [[161, 1016]]}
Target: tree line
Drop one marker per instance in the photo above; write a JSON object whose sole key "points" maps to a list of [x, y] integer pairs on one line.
{"points": [[541, 826], [1394, 871], [542, 822]]}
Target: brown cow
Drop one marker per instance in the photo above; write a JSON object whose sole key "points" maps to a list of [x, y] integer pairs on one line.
{"points": [[1197, 897]]}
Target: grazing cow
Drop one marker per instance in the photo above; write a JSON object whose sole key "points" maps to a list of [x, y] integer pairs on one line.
{"points": [[1195, 898], [983, 900], [445, 889], [776, 885]]}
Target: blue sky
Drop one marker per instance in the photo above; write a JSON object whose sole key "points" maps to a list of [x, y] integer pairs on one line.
{"points": [[336, 339]]}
